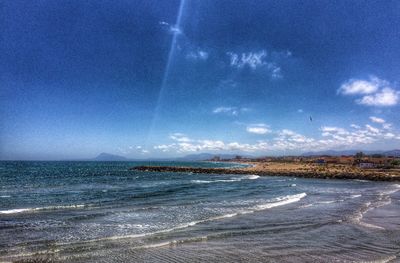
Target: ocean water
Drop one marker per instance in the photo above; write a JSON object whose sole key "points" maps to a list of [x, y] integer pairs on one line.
{"points": [[103, 212]]}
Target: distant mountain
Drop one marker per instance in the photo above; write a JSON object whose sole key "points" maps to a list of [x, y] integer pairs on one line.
{"points": [[109, 157], [352, 152]]}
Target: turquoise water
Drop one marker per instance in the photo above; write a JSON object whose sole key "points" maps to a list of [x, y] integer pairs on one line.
{"points": [[103, 212]]}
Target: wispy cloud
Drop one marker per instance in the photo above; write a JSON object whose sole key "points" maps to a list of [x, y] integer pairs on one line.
{"points": [[133, 149], [375, 92], [197, 55], [180, 137], [250, 59], [387, 126], [173, 29], [164, 147], [255, 60], [376, 119], [260, 128], [234, 111]]}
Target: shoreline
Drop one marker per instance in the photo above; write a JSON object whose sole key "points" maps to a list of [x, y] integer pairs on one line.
{"points": [[287, 169]]}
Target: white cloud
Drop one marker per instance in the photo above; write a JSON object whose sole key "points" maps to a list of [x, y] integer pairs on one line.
{"points": [[255, 60], [252, 60], [387, 126], [358, 86], [234, 111], [386, 97], [260, 128], [374, 92], [197, 55], [327, 131], [276, 72], [355, 126], [227, 110], [300, 111], [173, 29], [389, 135], [372, 129], [376, 119], [179, 137], [164, 147], [331, 138]]}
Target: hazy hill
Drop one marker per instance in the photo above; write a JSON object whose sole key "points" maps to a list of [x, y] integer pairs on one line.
{"points": [[109, 157]]}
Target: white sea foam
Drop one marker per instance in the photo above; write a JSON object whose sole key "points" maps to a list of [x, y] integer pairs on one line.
{"points": [[391, 191], [383, 200], [252, 177], [280, 201], [355, 196], [14, 211], [246, 177], [215, 181], [35, 209], [361, 180], [5, 196], [307, 205]]}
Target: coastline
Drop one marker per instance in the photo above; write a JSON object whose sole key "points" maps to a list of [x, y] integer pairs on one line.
{"points": [[288, 169]]}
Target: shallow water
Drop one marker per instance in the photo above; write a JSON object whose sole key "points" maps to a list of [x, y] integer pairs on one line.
{"points": [[102, 212]]}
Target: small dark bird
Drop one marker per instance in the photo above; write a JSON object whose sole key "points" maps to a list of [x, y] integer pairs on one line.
{"points": [[310, 118]]}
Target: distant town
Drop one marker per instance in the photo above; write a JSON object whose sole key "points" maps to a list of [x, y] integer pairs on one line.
{"points": [[360, 160]]}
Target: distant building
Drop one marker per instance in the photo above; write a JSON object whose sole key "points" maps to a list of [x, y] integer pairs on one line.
{"points": [[366, 165], [216, 159]]}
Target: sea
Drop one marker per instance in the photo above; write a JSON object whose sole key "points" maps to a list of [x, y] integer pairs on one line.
{"points": [[104, 212]]}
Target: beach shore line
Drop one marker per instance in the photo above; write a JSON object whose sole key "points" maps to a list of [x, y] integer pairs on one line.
{"points": [[288, 169]]}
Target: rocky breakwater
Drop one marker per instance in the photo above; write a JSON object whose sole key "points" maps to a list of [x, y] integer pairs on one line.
{"points": [[374, 175]]}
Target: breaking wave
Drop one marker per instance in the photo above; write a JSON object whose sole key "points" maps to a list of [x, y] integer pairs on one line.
{"points": [[36, 209], [246, 177], [279, 201]]}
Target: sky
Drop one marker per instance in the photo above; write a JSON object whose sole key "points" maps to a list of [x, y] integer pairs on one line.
{"points": [[151, 78]]}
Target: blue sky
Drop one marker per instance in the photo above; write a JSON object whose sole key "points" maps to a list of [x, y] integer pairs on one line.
{"points": [[169, 78]]}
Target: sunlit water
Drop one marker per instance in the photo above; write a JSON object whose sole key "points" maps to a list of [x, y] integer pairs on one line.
{"points": [[102, 212]]}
